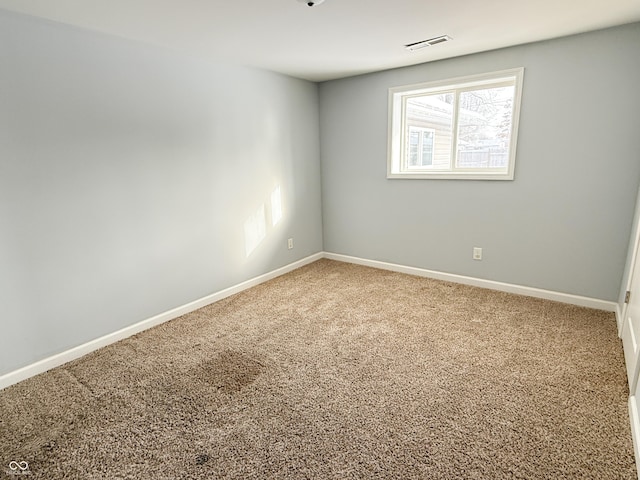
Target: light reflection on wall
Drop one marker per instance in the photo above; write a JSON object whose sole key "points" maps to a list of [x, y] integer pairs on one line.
{"points": [[255, 230], [276, 206], [255, 227]]}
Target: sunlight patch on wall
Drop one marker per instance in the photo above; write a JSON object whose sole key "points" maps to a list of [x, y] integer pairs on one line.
{"points": [[255, 230], [262, 222], [276, 206]]}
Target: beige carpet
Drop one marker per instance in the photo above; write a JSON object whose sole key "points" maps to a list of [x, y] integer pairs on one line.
{"points": [[338, 371]]}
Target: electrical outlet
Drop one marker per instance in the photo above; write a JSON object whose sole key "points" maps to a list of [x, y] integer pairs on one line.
{"points": [[477, 253], [290, 243]]}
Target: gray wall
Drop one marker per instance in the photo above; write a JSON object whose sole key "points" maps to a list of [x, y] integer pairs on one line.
{"points": [[127, 174], [563, 224]]}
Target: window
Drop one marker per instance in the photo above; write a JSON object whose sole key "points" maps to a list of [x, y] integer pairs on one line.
{"points": [[464, 128], [420, 147]]}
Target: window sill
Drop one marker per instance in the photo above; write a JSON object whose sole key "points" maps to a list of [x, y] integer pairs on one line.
{"points": [[451, 176]]}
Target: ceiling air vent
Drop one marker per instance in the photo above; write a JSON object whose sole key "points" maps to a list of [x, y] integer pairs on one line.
{"points": [[428, 43]]}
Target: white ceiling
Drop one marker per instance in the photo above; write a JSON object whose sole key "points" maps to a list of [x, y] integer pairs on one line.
{"points": [[337, 39]]}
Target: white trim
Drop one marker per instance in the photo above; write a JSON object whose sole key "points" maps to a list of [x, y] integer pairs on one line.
{"points": [[627, 288], [635, 430], [635, 235], [619, 319], [41, 366], [447, 175], [622, 325], [479, 282]]}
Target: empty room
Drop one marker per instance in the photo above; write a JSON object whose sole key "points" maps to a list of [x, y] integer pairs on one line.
{"points": [[332, 239]]}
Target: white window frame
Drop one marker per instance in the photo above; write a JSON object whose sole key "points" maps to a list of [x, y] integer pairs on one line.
{"points": [[396, 159]]}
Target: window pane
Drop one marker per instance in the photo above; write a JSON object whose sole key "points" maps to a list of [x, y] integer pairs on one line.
{"points": [[414, 142], [484, 127], [419, 147], [432, 114], [427, 147]]}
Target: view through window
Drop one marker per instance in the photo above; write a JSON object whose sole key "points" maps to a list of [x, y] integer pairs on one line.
{"points": [[462, 128]]}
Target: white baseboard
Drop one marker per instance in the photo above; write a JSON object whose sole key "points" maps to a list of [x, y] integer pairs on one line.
{"points": [[41, 366], [635, 430], [479, 282]]}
